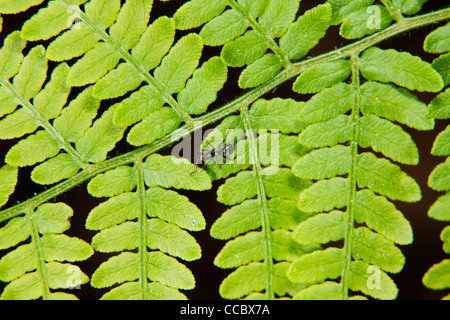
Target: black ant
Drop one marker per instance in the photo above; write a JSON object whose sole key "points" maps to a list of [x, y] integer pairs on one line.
{"points": [[215, 153]]}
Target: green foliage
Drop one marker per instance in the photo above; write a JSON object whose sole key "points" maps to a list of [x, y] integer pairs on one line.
{"points": [[150, 220], [437, 277], [259, 230], [309, 184], [348, 180], [36, 267]]}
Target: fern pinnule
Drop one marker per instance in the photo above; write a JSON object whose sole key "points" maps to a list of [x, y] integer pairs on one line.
{"points": [[437, 276]]}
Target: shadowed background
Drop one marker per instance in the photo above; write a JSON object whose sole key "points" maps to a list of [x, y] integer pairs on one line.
{"points": [[420, 256]]}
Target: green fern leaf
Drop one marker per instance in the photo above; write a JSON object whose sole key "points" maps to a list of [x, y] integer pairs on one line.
{"points": [[409, 6], [321, 228], [437, 41], [113, 183], [234, 288], [196, 12], [260, 71], [276, 113], [131, 22], [170, 172], [8, 181], [334, 190], [125, 207], [35, 276], [440, 209], [381, 216], [327, 290], [322, 76], [328, 104], [244, 50], [138, 106], [201, 90], [441, 144], [174, 208], [155, 291], [357, 24], [11, 55], [282, 184], [53, 218], [278, 16], [439, 179], [305, 33], [400, 68], [156, 125], [57, 16], [438, 276], [180, 63], [324, 163], [439, 108], [245, 249], [100, 138], [43, 146], [176, 241], [389, 139], [328, 261], [328, 133], [376, 250], [92, 66], [360, 280], [223, 28], [32, 73], [8, 7], [343, 8], [55, 169], [394, 104], [77, 117], [247, 215], [440, 64], [386, 178]]}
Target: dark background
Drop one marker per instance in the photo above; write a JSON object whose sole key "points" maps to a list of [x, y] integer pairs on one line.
{"points": [[420, 256]]}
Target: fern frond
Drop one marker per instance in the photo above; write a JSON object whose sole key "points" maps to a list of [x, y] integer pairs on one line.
{"points": [[259, 230], [268, 20], [148, 57], [437, 277], [349, 180], [47, 103], [41, 265], [150, 220]]}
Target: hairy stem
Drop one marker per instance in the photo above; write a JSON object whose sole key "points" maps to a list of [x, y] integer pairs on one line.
{"points": [[265, 223], [291, 71], [352, 177]]}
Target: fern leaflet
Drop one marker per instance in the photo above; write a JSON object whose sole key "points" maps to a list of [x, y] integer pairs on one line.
{"points": [[437, 277]]}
